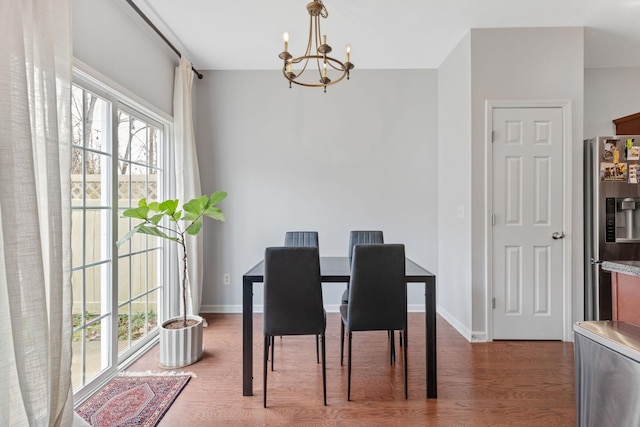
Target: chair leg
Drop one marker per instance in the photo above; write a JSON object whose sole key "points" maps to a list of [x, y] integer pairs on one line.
{"points": [[341, 341], [324, 368], [349, 369], [267, 341], [273, 344], [406, 367], [317, 348], [392, 347]]}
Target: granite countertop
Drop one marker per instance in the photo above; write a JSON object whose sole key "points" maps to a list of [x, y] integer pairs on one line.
{"points": [[632, 268]]}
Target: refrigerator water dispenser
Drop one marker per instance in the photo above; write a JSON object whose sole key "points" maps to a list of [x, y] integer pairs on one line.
{"points": [[627, 220]]}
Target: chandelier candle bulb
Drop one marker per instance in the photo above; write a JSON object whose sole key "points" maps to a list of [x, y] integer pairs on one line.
{"points": [[324, 39], [286, 41], [348, 53], [324, 70]]}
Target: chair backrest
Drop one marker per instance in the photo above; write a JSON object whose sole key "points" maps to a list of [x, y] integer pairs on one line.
{"points": [[301, 238], [362, 237], [292, 291], [378, 288]]}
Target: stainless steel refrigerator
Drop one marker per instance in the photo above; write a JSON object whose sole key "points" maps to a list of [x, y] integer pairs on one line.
{"points": [[611, 214]]}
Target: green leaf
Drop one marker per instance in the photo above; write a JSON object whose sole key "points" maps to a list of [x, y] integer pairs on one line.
{"points": [[169, 206], [176, 216], [195, 227], [154, 206], [195, 207], [154, 231], [217, 197], [142, 202], [155, 220], [215, 213], [138, 213]]}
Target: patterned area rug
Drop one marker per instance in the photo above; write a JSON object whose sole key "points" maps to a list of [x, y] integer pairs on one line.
{"points": [[133, 399]]}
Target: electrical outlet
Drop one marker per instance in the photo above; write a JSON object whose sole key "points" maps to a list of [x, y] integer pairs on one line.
{"points": [[226, 278]]}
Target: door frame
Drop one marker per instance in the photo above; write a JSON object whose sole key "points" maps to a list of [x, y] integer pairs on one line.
{"points": [[567, 291]]}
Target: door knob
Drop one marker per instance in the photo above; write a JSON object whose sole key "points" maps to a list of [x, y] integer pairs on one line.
{"points": [[558, 236]]}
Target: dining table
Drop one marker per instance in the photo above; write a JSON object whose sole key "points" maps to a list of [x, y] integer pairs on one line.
{"points": [[337, 270]]}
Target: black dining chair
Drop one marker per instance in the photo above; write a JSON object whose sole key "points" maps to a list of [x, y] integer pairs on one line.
{"points": [[301, 238], [304, 239], [377, 298], [293, 300], [360, 237], [365, 237]]}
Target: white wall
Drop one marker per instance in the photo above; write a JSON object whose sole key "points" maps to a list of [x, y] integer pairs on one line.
{"points": [[361, 156], [609, 93], [454, 188], [530, 64], [112, 39], [496, 64]]}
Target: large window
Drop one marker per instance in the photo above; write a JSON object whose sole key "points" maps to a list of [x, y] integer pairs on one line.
{"points": [[117, 159]]}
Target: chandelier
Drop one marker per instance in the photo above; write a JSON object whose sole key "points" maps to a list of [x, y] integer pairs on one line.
{"points": [[330, 70]]}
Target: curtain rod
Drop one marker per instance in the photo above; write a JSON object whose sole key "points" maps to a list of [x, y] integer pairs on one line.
{"points": [[148, 21]]}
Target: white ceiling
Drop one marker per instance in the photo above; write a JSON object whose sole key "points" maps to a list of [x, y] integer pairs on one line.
{"points": [[383, 34]]}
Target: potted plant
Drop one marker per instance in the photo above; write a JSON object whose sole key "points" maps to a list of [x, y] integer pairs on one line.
{"points": [[180, 337]]}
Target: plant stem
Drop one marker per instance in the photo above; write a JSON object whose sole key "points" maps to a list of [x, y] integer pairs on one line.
{"points": [[184, 281]]}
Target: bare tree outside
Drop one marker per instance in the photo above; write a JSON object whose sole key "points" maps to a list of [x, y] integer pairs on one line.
{"points": [[137, 140]]}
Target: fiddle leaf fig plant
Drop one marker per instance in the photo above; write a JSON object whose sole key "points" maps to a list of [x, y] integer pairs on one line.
{"points": [[181, 223]]}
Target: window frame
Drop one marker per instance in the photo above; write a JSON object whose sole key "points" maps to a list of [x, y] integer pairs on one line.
{"points": [[124, 100]]}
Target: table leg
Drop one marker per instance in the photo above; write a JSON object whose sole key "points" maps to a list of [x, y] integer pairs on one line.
{"points": [[430, 332], [247, 337]]}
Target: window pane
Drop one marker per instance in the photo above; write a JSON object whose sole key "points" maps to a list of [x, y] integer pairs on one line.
{"points": [[77, 286], [97, 246], [77, 186], [77, 123], [152, 309], [95, 343], [124, 184], [77, 238], [153, 135], [96, 290], [139, 142], [123, 280], [124, 135], [138, 274]]}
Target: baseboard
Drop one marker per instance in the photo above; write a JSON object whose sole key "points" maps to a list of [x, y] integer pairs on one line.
{"points": [[464, 331], [237, 308]]}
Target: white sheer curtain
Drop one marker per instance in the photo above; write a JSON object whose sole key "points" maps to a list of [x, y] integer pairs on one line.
{"points": [[187, 175], [35, 213]]}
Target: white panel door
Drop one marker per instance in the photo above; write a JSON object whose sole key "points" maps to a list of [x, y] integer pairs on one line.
{"points": [[528, 209]]}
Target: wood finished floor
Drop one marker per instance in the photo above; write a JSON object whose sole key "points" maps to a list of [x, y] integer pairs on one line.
{"points": [[504, 383]]}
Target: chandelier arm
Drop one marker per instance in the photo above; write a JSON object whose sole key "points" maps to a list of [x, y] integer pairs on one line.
{"points": [[310, 39], [317, 34], [306, 62], [332, 61]]}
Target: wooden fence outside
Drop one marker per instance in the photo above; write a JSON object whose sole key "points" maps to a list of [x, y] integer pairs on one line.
{"points": [[144, 267]]}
